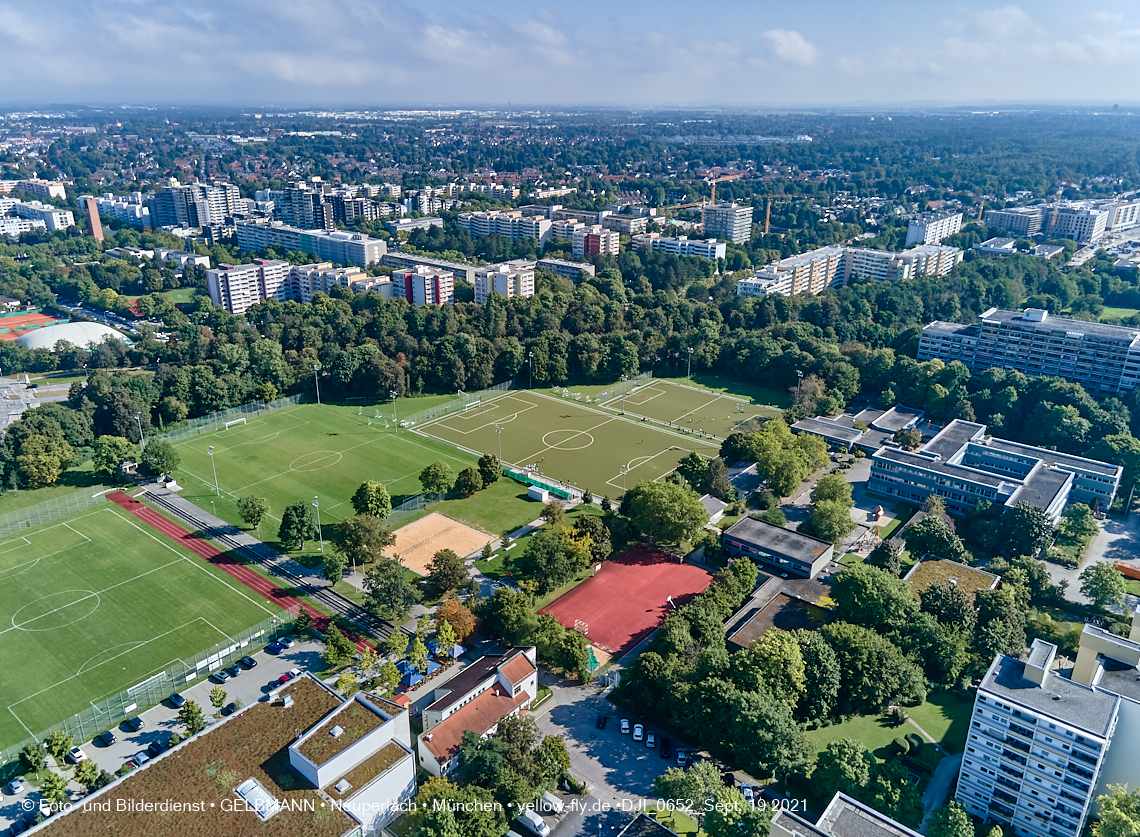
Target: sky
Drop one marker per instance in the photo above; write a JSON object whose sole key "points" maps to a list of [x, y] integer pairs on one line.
{"points": [[691, 53]]}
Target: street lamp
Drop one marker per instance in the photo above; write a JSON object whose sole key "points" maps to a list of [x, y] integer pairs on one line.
{"points": [[624, 378], [210, 450], [317, 506], [499, 432], [392, 395], [799, 381], [530, 366], [689, 374], [142, 438], [316, 381], [624, 471]]}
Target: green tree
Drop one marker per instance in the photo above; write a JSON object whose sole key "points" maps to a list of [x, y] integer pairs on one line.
{"points": [[552, 558], [468, 483], [461, 619], [1119, 813], [666, 513], [160, 457], [333, 565], [950, 605], [397, 643], [437, 478], [490, 468], [418, 655], [731, 815], [346, 684], [765, 737], [1078, 521], [700, 783], [844, 765], [218, 697], [830, 520], [389, 593], [58, 745], [252, 509], [832, 487], [446, 571], [601, 541], [54, 788], [110, 452], [951, 820], [1103, 584], [444, 636], [886, 556], [1026, 530], [909, 438], [774, 516], [338, 648], [872, 670], [33, 757], [820, 701], [873, 598], [191, 716], [387, 676], [87, 774], [298, 524], [509, 614], [774, 663], [303, 621], [933, 535], [363, 539], [555, 514], [372, 498]]}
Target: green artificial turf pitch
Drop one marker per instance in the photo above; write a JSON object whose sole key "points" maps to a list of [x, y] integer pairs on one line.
{"points": [[96, 602], [570, 441], [689, 407], [307, 451]]}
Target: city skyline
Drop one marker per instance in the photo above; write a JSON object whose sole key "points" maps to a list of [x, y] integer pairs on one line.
{"points": [[375, 52]]}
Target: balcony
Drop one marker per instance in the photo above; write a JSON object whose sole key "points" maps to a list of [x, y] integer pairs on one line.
{"points": [[1080, 771], [1008, 783], [1016, 743], [1073, 783], [1073, 798], [1085, 757], [1022, 760], [1005, 797], [1017, 774]]}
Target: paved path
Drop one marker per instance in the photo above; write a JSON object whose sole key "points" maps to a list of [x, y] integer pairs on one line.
{"points": [[940, 786]]}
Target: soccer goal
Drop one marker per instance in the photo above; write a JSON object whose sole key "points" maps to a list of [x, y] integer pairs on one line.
{"points": [[582, 627], [474, 403], [230, 424]]}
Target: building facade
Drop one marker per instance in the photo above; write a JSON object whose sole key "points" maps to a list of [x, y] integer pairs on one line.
{"points": [[337, 246], [424, 286], [511, 224], [729, 221], [466, 272], [54, 218], [594, 241], [932, 228], [570, 270], [1104, 359], [508, 279], [238, 287], [776, 549], [680, 245]]}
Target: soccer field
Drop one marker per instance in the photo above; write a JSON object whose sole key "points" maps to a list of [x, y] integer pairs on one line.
{"points": [[569, 441], [94, 603], [690, 408], [306, 451]]}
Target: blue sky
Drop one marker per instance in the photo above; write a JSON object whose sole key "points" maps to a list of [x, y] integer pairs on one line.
{"points": [[746, 53]]}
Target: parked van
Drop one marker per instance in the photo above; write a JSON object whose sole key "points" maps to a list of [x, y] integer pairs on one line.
{"points": [[550, 803], [533, 823]]}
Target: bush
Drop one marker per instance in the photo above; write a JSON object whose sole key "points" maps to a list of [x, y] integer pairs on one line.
{"points": [[902, 746], [916, 740]]}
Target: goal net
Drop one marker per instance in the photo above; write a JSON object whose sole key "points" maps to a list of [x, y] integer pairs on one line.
{"points": [[230, 424]]}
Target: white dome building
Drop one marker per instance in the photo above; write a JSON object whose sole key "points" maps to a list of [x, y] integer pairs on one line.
{"points": [[82, 334]]}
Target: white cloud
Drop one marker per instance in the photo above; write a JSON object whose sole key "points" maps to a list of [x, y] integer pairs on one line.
{"points": [[791, 46], [1007, 21]]}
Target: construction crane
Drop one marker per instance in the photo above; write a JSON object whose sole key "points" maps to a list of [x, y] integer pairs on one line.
{"points": [[721, 179]]}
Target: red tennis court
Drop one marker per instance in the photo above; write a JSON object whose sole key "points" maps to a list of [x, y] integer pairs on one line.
{"points": [[627, 599]]}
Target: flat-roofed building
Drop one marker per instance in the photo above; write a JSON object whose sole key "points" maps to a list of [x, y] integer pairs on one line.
{"points": [[932, 228], [508, 279], [409, 224], [776, 549], [680, 245], [594, 241], [729, 221], [238, 287], [466, 272], [423, 285], [571, 270], [843, 817]]}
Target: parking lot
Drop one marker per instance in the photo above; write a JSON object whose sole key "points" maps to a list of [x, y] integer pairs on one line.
{"points": [[160, 721]]}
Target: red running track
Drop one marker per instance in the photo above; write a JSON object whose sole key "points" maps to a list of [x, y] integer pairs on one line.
{"points": [[628, 598], [227, 563]]}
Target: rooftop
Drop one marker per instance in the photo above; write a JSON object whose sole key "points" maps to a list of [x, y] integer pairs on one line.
{"points": [[644, 826], [1053, 457], [480, 716], [354, 720], [372, 767], [783, 611], [844, 817], [960, 472], [927, 573], [254, 743], [952, 437], [1053, 323], [778, 539], [828, 427], [469, 678], [517, 669], [1071, 703], [1042, 486], [897, 418]]}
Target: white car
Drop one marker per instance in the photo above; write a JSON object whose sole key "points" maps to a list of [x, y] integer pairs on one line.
{"points": [[45, 809], [14, 787], [625, 726], [748, 793], [638, 732], [75, 755]]}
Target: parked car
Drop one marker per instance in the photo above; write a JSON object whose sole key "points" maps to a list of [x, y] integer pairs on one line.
{"points": [[220, 676], [75, 755], [234, 670], [666, 748], [682, 758], [141, 757], [177, 701], [650, 739], [105, 739], [274, 648], [156, 748], [133, 724], [14, 787], [625, 726], [601, 720], [747, 792], [638, 732], [45, 809], [18, 827], [285, 641], [229, 709], [533, 823], [249, 662]]}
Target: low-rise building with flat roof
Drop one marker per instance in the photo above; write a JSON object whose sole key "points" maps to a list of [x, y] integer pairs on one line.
{"points": [[776, 549], [843, 817], [931, 571]]}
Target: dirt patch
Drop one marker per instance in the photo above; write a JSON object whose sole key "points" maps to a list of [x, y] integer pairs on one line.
{"points": [[417, 542]]}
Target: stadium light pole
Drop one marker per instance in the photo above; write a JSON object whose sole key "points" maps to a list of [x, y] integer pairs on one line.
{"points": [[624, 378], [316, 381], [210, 450], [689, 374], [142, 438], [392, 395], [320, 535], [530, 367], [624, 471], [499, 431]]}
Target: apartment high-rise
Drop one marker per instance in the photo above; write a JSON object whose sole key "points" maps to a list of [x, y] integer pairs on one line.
{"points": [[1102, 358], [595, 241], [195, 205], [238, 287], [510, 224], [932, 228], [337, 245], [729, 221], [1036, 746], [422, 285], [509, 279], [680, 245]]}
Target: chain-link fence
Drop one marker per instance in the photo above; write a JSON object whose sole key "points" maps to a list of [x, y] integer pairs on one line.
{"points": [[411, 506], [52, 509], [623, 388], [106, 714], [217, 421], [466, 401]]}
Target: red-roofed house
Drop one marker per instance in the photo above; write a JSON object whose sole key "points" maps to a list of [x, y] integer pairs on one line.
{"points": [[477, 698]]}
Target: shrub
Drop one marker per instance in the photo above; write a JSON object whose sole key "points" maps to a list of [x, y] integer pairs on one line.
{"points": [[902, 746], [916, 740]]}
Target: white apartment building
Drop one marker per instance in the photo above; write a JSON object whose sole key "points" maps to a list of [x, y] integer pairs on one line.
{"points": [[127, 209], [42, 189], [238, 287], [729, 221], [53, 218], [510, 224], [335, 245], [509, 279], [1082, 221], [17, 226], [681, 245], [565, 227], [305, 280], [932, 228], [594, 241], [806, 273], [571, 270], [1022, 221], [421, 285]]}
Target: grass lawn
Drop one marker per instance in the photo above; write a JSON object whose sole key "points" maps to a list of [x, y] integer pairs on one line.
{"points": [[902, 512], [696, 408], [1067, 548], [758, 393], [98, 603], [677, 821], [327, 451], [946, 716], [82, 476], [177, 296], [494, 567], [1111, 313]]}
